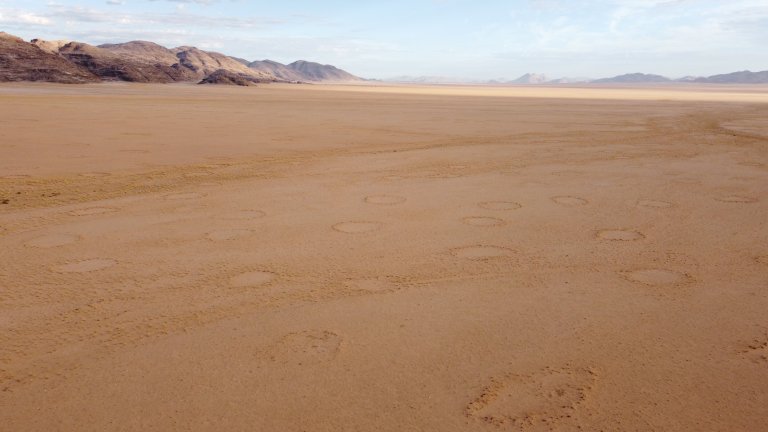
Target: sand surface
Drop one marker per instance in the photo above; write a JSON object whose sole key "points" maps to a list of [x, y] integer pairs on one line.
{"points": [[328, 258]]}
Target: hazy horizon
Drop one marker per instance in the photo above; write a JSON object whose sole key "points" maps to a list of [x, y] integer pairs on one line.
{"points": [[450, 38]]}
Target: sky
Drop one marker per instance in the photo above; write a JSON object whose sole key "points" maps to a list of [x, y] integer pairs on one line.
{"points": [[465, 39]]}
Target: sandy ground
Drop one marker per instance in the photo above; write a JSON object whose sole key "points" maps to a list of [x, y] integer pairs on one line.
{"points": [[296, 258]]}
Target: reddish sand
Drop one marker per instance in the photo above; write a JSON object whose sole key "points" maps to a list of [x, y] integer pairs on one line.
{"points": [[328, 258]]}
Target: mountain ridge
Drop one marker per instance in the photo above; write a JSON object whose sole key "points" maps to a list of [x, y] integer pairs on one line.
{"points": [[64, 61], [741, 77]]}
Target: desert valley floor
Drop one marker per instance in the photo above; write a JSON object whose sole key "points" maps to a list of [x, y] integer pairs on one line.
{"points": [[328, 258]]}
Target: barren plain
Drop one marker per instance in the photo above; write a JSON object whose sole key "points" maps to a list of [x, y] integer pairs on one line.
{"points": [[329, 258]]}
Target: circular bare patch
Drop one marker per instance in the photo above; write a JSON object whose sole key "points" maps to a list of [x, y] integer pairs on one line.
{"points": [[184, 196], [384, 199], [656, 277], [570, 201], [92, 211], [306, 347], [228, 234], [499, 205], [481, 252], [52, 240], [654, 204], [254, 278], [245, 214], [85, 266], [620, 235], [355, 227], [483, 221], [737, 199], [549, 397]]}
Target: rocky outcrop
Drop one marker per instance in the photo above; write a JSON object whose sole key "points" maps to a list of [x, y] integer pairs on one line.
{"points": [[23, 61], [109, 66], [52, 47], [226, 77], [149, 54]]}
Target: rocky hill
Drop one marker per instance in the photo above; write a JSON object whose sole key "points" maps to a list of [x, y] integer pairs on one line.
{"points": [[204, 63], [145, 62], [319, 72], [23, 61]]}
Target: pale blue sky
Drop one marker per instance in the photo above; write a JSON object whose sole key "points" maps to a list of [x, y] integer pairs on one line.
{"points": [[456, 38]]}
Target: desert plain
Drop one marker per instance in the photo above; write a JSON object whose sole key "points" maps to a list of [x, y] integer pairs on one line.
{"points": [[394, 258]]}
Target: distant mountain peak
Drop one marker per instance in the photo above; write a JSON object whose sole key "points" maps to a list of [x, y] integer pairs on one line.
{"points": [[741, 77], [531, 78], [634, 78]]}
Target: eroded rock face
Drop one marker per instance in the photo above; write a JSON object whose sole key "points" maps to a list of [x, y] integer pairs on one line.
{"points": [[226, 77], [24, 61], [149, 53], [51, 46], [109, 66]]}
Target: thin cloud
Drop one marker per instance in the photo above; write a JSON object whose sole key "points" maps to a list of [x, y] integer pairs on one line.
{"points": [[21, 18], [74, 14]]}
